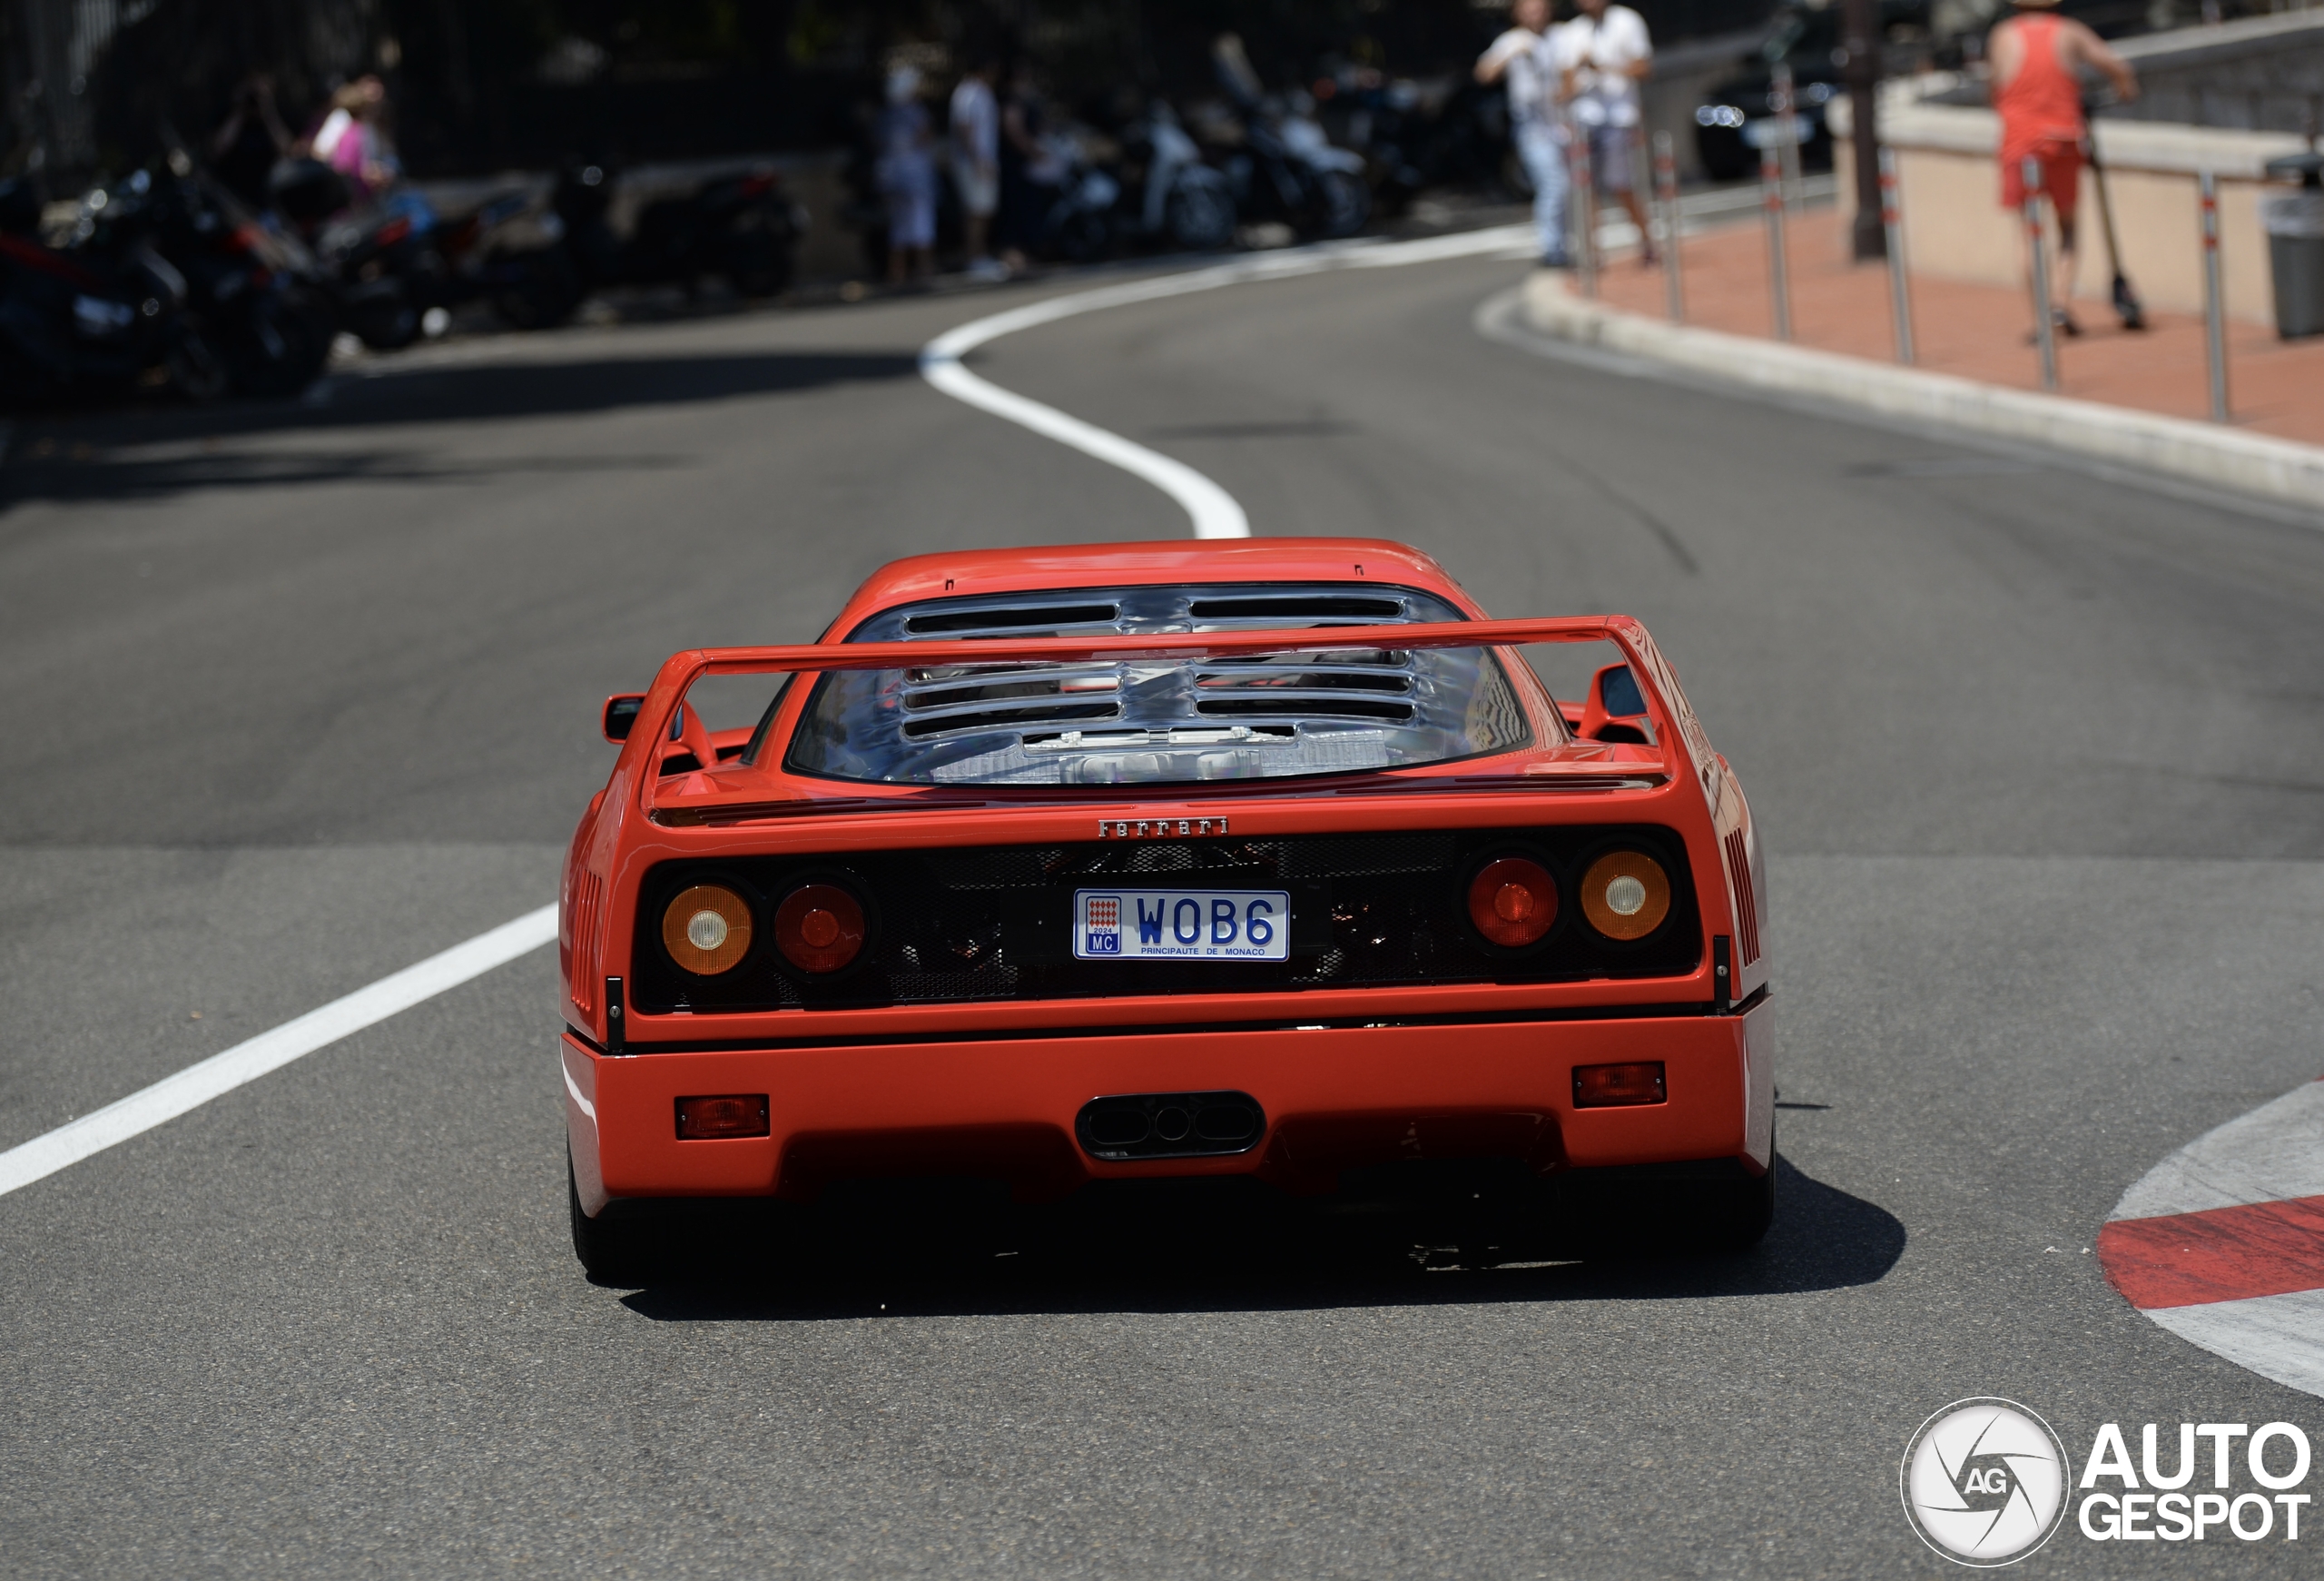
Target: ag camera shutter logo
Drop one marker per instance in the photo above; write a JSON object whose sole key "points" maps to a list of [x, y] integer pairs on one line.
{"points": [[1984, 1482]]}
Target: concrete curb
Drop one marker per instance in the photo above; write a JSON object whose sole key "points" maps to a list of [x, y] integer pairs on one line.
{"points": [[2222, 458]]}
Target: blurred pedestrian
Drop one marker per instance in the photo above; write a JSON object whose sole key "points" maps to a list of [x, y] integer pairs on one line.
{"points": [[352, 139], [1525, 58], [906, 175], [1607, 54], [976, 163], [2036, 56], [1031, 174], [247, 143]]}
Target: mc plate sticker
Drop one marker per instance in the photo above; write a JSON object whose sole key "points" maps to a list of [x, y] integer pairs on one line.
{"points": [[1181, 925]]}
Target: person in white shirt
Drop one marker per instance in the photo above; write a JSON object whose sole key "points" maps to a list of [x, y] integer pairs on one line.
{"points": [[1525, 58], [976, 162], [1607, 54]]}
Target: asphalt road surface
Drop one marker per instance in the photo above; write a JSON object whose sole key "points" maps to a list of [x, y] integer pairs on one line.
{"points": [[299, 695]]}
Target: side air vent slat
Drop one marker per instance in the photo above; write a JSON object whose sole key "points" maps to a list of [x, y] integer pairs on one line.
{"points": [[1020, 620], [1305, 706], [1294, 607], [1294, 681], [948, 722]]}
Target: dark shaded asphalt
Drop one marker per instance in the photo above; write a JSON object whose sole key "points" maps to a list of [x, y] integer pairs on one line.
{"points": [[306, 693]]}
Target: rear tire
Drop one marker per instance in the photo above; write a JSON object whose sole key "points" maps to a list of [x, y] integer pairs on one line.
{"points": [[1201, 217], [544, 291], [1737, 1215], [1343, 203], [612, 1250]]}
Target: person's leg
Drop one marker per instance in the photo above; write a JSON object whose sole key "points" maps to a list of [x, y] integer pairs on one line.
{"points": [[1610, 155], [2062, 174], [1545, 167]]}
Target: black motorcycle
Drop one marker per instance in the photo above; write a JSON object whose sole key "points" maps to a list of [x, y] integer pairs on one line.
{"points": [[69, 330], [741, 227], [1288, 168], [392, 263], [257, 293]]}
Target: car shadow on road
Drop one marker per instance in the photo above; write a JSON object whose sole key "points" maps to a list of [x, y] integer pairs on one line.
{"points": [[1218, 1252], [138, 452]]}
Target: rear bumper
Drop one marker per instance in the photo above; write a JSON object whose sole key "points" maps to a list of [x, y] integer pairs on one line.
{"points": [[1334, 1098]]}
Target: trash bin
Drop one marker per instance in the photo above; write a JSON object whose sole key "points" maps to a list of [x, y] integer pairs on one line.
{"points": [[2295, 226]]}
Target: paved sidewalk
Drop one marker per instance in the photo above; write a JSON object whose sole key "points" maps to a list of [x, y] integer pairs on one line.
{"points": [[1979, 331]]}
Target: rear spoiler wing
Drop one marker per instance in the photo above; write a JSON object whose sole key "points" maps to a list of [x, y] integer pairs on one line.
{"points": [[1655, 679]]}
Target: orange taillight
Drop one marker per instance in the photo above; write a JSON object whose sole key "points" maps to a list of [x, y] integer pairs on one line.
{"points": [[1626, 894], [706, 929]]}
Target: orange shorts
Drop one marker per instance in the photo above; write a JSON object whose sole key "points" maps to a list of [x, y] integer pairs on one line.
{"points": [[2060, 162]]}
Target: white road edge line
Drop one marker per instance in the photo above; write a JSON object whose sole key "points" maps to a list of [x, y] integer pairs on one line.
{"points": [[1214, 511], [222, 1072]]}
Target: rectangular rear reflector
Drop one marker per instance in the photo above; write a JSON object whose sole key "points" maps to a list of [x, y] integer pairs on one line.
{"points": [[716, 1119], [1609, 1086]]}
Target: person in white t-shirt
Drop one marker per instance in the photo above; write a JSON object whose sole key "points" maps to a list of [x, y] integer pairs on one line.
{"points": [[1607, 54], [1525, 57], [976, 163]]}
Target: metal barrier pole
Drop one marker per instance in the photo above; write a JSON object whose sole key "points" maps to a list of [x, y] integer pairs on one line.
{"points": [[2037, 245], [1892, 225], [1583, 244], [1783, 100], [2214, 298], [1778, 277], [1666, 191]]}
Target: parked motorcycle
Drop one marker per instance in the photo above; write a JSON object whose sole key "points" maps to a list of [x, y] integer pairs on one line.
{"points": [[394, 262], [742, 227], [68, 331], [1080, 226], [164, 281], [1184, 202], [258, 294], [1288, 168]]}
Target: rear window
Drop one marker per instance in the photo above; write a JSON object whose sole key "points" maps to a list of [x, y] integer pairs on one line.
{"points": [[1157, 722]]}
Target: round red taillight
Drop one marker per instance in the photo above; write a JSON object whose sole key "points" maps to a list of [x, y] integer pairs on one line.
{"points": [[819, 927], [1513, 901]]}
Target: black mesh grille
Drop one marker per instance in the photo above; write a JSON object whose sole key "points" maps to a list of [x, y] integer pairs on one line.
{"points": [[984, 922]]}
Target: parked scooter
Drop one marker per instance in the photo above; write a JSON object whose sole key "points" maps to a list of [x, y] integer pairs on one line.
{"points": [[1288, 169], [1186, 202], [165, 281], [258, 294], [1082, 225], [69, 332], [742, 227], [393, 264]]}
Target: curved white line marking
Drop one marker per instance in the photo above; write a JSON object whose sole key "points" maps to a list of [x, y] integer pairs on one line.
{"points": [[1213, 510], [222, 1072]]}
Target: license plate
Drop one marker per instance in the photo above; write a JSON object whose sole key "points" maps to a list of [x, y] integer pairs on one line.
{"points": [[1182, 924]]}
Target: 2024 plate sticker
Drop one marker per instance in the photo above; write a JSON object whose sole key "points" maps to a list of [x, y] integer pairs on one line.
{"points": [[1182, 924]]}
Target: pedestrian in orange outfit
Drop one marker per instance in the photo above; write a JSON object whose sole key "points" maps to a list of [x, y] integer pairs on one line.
{"points": [[2036, 56]]}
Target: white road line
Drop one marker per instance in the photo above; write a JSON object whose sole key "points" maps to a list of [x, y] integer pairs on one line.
{"points": [[271, 1051], [1213, 510]]}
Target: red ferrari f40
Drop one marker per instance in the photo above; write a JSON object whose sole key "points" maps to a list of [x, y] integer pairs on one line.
{"points": [[1275, 858]]}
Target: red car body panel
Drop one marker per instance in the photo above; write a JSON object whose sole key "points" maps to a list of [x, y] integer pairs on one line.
{"points": [[1346, 1077]]}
